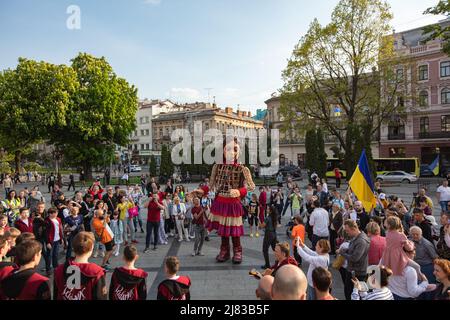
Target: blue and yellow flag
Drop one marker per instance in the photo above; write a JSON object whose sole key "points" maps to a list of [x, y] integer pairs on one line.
{"points": [[435, 166], [362, 185]]}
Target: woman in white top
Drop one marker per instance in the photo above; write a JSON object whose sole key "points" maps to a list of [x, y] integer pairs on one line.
{"points": [[318, 258], [324, 185], [381, 293], [179, 211], [407, 286]]}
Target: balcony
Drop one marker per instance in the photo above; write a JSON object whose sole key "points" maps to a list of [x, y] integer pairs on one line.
{"points": [[400, 136], [434, 135]]}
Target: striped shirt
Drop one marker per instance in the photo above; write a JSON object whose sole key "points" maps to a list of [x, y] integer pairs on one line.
{"points": [[377, 294]]}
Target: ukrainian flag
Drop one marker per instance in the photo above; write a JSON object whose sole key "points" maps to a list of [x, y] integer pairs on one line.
{"points": [[362, 185], [435, 166]]}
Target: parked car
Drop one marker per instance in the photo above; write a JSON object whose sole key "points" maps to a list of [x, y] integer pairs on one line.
{"points": [[293, 171], [397, 176], [135, 168], [425, 171]]}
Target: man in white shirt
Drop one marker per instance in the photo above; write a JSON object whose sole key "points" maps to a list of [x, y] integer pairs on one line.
{"points": [[319, 220], [443, 195]]}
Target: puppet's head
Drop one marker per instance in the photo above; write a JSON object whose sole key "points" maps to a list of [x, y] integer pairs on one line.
{"points": [[231, 151]]}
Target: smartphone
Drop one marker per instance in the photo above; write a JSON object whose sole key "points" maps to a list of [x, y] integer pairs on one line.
{"points": [[353, 275], [256, 274]]}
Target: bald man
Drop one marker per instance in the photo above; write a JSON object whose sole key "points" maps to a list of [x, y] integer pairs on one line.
{"points": [[264, 288], [289, 284]]}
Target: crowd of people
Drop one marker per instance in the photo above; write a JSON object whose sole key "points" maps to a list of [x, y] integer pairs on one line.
{"points": [[403, 241]]}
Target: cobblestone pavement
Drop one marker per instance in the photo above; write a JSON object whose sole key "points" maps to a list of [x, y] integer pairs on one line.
{"points": [[211, 280]]}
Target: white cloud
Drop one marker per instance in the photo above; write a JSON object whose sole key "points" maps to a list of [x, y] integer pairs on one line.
{"points": [[152, 2], [184, 94]]}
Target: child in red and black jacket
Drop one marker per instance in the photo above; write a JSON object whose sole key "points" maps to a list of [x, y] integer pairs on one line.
{"points": [[92, 285], [53, 239], [128, 282], [174, 287], [23, 282], [24, 223]]}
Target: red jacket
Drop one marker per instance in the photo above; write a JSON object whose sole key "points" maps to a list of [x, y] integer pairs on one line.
{"points": [[278, 265], [92, 286], [25, 285], [50, 230], [175, 289], [19, 224], [128, 285]]}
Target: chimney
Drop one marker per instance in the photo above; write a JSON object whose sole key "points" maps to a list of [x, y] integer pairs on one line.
{"points": [[228, 110], [249, 114]]}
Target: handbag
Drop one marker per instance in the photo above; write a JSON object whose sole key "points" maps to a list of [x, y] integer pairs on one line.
{"points": [[133, 212], [108, 229]]}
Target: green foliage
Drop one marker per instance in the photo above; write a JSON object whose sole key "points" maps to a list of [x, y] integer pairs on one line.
{"points": [[32, 166], [344, 65], [152, 166], [436, 31], [321, 154], [5, 167], [102, 114], [33, 98], [311, 151], [166, 168]]}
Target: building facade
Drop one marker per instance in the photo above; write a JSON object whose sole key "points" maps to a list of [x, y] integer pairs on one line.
{"points": [[210, 116], [425, 131], [292, 143]]}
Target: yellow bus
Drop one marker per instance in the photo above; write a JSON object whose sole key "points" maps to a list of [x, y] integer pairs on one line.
{"points": [[382, 165]]}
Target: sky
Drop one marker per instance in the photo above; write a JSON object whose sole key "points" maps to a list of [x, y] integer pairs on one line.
{"points": [[232, 51]]}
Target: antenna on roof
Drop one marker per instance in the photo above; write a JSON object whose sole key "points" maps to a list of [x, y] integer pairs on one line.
{"points": [[209, 91]]}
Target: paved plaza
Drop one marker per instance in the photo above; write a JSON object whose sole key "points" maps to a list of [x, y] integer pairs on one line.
{"points": [[211, 280]]}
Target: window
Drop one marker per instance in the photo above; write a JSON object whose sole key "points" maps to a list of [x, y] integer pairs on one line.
{"points": [[423, 98], [142, 132], [445, 96], [147, 146], [445, 69], [424, 125], [445, 123], [423, 73], [142, 147], [282, 160], [396, 153]]}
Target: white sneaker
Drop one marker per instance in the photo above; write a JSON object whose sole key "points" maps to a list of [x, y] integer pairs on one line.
{"points": [[102, 254], [95, 255], [194, 254], [187, 240], [116, 254], [179, 240]]}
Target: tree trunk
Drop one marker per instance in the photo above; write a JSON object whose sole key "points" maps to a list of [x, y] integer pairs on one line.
{"points": [[87, 168], [17, 160]]}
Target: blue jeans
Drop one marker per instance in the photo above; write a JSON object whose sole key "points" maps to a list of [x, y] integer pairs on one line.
{"points": [[444, 205], [398, 298], [51, 255]]}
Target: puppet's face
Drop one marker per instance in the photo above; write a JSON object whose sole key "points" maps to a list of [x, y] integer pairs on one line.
{"points": [[231, 152]]}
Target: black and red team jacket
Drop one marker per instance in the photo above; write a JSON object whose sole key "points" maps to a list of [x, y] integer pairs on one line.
{"points": [[79, 281], [128, 284], [175, 289], [23, 285]]}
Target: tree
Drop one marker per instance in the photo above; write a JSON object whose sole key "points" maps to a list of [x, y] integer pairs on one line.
{"points": [[102, 114], [321, 154], [311, 151], [438, 31], [343, 74], [152, 166], [166, 168], [34, 97]]}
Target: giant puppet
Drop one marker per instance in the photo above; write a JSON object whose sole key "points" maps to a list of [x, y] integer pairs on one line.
{"points": [[230, 181]]}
